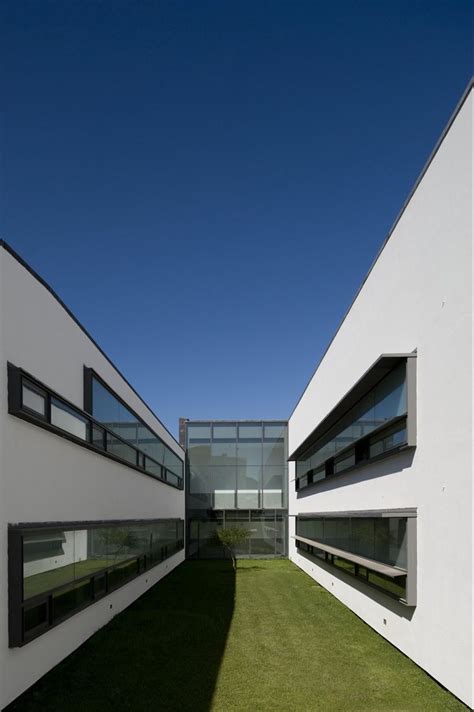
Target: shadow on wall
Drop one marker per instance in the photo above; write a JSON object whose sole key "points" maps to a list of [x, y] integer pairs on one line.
{"points": [[398, 462], [162, 653], [390, 604]]}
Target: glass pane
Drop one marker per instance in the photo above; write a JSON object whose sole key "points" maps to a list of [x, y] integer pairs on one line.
{"points": [[390, 396], [274, 486], [363, 537], [68, 600], [248, 499], [98, 437], [346, 461], [364, 416], [33, 400], [120, 449], [337, 532], [67, 419], [274, 453], [199, 432], [172, 462], [153, 468], [222, 452], [105, 408], [275, 430], [347, 566], [249, 477], [35, 617], [249, 453], [388, 439], [172, 478], [393, 586], [224, 431], [251, 431], [390, 541], [114, 415], [199, 456], [48, 560]]}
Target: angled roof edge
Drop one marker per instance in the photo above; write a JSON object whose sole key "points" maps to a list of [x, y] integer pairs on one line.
{"points": [[433, 153], [376, 371], [45, 284]]}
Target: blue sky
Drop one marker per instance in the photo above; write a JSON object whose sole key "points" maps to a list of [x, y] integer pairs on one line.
{"points": [[205, 184]]}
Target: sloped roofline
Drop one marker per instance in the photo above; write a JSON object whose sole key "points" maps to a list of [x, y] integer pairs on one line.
{"points": [[45, 284], [430, 159]]}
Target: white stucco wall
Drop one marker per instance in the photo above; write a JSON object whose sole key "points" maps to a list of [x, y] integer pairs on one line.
{"points": [[417, 296], [44, 477]]}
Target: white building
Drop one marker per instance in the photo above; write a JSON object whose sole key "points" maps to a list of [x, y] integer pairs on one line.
{"points": [[381, 441], [90, 516]]}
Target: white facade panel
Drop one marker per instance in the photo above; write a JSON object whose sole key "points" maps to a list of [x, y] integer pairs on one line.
{"points": [[46, 478], [418, 295]]}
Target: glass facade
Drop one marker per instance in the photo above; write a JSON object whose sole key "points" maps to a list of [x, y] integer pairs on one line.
{"points": [[62, 570], [237, 476], [374, 426]]}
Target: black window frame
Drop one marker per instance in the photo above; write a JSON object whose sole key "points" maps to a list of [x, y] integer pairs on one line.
{"points": [[17, 375], [17, 605]]}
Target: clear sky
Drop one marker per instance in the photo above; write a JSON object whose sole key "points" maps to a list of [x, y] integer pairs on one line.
{"points": [[206, 184]]}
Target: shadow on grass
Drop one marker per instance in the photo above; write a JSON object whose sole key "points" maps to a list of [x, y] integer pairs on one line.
{"points": [[162, 653]]}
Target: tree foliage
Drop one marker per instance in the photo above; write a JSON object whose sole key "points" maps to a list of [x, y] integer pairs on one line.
{"points": [[230, 538]]}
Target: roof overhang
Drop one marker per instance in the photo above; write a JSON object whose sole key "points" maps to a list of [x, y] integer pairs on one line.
{"points": [[382, 366]]}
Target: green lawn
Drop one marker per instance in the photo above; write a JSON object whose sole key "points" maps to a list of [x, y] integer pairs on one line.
{"points": [[265, 639]]}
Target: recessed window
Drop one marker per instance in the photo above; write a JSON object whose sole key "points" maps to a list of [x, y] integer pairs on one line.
{"points": [[372, 424], [381, 550]]}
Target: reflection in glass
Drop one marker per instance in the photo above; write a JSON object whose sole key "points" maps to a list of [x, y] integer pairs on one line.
{"points": [[67, 419], [385, 402], [199, 431], [109, 411], [250, 431], [222, 431], [382, 539], [54, 558], [274, 430], [33, 399], [249, 453], [236, 472]]}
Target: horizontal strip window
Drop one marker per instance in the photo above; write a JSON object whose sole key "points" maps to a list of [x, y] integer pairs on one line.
{"points": [[199, 433], [377, 425], [109, 410], [382, 546], [33, 401], [55, 571]]}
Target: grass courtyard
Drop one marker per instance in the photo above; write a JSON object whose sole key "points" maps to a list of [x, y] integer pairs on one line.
{"points": [[265, 639]]}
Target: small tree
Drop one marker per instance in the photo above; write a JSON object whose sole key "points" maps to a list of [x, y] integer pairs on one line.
{"points": [[230, 538]]}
